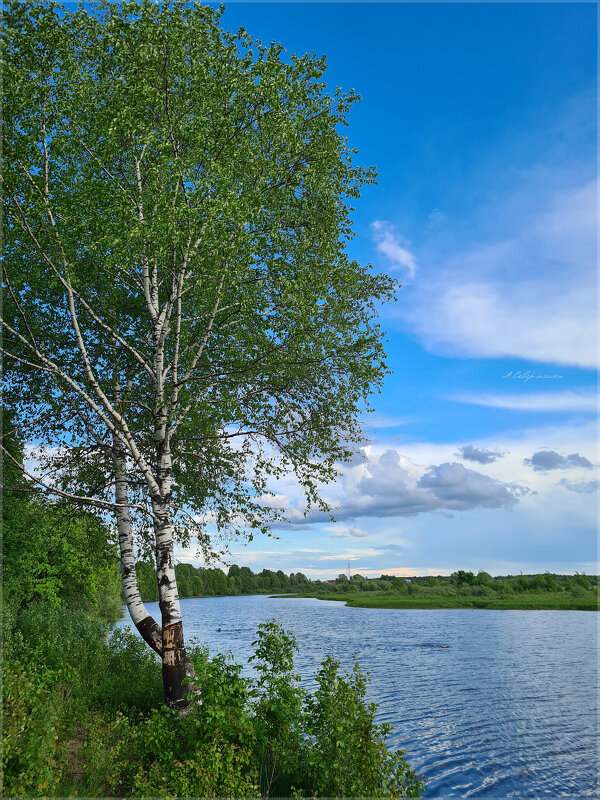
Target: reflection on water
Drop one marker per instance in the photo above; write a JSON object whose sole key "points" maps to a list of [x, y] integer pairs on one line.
{"points": [[486, 703]]}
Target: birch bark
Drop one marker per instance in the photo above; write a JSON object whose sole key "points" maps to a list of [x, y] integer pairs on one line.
{"points": [[148, 628], [176, 666]]}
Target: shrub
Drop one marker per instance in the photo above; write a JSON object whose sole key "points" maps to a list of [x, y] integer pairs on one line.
{"points": [[225, 700], [250, 737], [31, 756], [278, 718], [130, 679], [346, 754], [156, 757], [326, 744]]}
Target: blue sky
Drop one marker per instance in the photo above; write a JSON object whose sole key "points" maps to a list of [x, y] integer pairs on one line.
{"points": [[481, 121]]}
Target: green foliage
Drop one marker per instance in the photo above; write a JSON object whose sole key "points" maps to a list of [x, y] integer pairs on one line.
{"points": [[31, 750], [82, 712], [463, 578], [225, 698], [472, 597], [165, 175], [552, 591], [278, 712], [484, 578], [58, 555], [153, 757], [346, 754], [131, 678], [53, 552], [321, 745]]}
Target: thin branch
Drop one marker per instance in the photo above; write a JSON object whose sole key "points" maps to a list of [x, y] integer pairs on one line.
{"points": [[73, 497]]}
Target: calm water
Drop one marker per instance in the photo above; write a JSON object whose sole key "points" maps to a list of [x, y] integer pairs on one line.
{"points": [[509, 709]]}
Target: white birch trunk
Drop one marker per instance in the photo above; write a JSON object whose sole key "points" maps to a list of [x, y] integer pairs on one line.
{"points": [[176, 663], [148, 628]]}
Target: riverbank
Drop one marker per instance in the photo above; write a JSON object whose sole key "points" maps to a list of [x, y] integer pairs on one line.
{"points": [[551, 601], [84, 716]]}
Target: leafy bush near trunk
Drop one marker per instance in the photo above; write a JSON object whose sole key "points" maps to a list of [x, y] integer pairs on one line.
{"points": [[83, 713]]}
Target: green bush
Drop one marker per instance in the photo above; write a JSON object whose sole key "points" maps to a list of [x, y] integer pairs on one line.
{"points": [[32, 756], [130, 678], [83, 712], [278, 717], [225, 701], [156, 757], [321, 745], [346, 754]]}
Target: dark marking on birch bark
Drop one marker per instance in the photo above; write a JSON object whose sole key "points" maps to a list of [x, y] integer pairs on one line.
{"points": [[151, 633], [174, 666]]}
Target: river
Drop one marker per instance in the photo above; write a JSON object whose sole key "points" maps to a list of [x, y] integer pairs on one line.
{"points": [[508, 709]]}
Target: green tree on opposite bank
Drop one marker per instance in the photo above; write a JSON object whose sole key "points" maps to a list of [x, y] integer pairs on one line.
{"points": [[215, 582]]}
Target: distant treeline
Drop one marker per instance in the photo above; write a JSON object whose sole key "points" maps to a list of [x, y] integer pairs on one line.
{"points": [[214, 582]]}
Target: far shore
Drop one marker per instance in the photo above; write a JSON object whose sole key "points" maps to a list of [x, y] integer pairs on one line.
{"points": [[528, 602]]}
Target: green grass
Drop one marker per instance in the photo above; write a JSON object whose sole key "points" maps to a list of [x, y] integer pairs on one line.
{"points": [[425, 598]]}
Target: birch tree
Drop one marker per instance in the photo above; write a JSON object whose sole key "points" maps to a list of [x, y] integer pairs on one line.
{"points": [[181, 321]]}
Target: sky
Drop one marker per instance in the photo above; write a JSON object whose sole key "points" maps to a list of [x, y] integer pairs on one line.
{"points": [[482, 451]]}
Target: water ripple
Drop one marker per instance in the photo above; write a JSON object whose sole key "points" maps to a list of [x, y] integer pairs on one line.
{"points": [[507, 710]]}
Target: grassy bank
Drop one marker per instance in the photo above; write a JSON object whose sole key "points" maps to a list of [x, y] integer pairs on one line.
{"points": [[83, 716], [587, 601]]}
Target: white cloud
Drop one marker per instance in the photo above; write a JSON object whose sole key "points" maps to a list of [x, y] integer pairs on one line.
{"points": [[394, 246], [529, 294], [584, 400], [387, 484]]}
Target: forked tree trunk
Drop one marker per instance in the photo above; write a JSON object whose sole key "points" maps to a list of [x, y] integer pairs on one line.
{"points": [[148, 628], [167, 641]]}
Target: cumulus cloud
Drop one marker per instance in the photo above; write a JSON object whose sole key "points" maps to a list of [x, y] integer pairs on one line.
{"points": [[479, 454], [458, 488], [581, 487], [390, 485], [545, 460], [394, 246]]}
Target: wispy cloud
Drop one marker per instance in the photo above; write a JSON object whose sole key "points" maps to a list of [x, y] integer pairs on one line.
{"points": [[389, 242], [581, 401], [528, 293], [388, 422], [345, 533]]}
